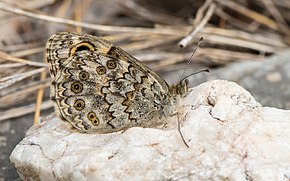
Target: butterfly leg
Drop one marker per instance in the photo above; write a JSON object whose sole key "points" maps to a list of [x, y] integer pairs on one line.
{"points": [[179, 130]]}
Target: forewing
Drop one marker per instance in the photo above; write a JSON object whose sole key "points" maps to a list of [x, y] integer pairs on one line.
{"points": [[62, 45]]}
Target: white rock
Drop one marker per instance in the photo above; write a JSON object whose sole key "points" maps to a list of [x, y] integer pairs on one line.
{"points": [[231, 137]]}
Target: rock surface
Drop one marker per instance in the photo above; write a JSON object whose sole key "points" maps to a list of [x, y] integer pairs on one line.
{"points": [[267, 80], [230, 137]]}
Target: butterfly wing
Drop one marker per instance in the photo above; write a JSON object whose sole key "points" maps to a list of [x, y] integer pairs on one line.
{"points": [[98, 87]]}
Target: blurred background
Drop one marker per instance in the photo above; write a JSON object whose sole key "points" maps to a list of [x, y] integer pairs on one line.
{"points": [[243, 41]]}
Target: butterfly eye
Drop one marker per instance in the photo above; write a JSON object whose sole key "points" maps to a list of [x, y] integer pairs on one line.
{"points": [[76, 87], [111, 64], [93, 118], [84, 75], [79, 104], [101, 70], [70, 43]]}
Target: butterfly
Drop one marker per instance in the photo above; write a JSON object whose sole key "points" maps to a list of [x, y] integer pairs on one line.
{"points": [[99, 88]]}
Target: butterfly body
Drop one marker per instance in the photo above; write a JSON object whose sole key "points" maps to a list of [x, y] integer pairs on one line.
{"points": [[100, 88]]}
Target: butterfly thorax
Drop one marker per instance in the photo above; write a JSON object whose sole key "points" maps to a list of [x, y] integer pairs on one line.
{"points": [[175, 94], [180, 89]]}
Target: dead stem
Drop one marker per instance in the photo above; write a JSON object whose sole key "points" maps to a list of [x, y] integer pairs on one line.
{"points": [[198, 27], [39, 98]]}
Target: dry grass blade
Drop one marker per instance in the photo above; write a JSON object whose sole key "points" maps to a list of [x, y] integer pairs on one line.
{"points": [[162, 40], [5, 56], [188, 39], [103, 28], [215, 39], [31, 51], [18, 47], [10, 65], [39, 98], [10, 80], [250, 13], [20, 111], [227, 17], [277, 15], [200, 12], [226, 56], [146, 13], [267, 39], [78, 14], [13, 96]]}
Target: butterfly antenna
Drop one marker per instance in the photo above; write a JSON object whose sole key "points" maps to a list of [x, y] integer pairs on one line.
{"points": [[186, 67], [204, 70]]}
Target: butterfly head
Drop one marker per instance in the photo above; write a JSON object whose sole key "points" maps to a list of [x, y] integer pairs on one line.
{"points": [[180, 89]]}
